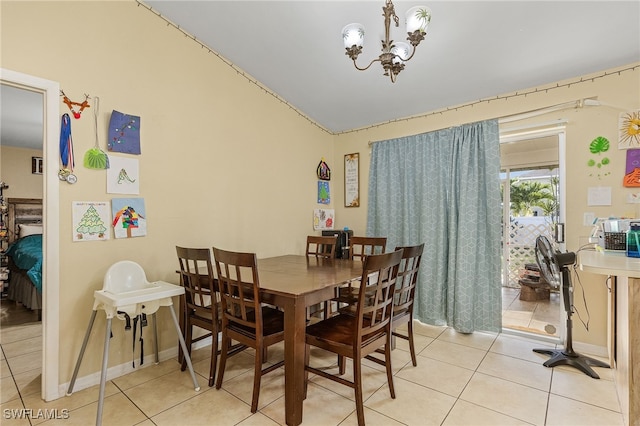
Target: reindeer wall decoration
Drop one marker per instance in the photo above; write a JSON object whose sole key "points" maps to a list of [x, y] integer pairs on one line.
{"points": [[71, 104]]}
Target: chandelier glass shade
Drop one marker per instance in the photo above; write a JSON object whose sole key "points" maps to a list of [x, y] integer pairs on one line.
{"points": [[394, 54]]}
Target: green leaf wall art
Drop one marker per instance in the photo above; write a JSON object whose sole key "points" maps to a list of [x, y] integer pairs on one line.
{"points": [[598, 146]]}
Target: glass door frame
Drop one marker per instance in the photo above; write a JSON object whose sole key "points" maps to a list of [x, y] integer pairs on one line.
{"points": [[533, 132]]}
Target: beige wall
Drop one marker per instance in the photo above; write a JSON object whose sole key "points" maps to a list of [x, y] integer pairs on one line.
{"points": [[15, 171], [584, 125], [223, 163]]}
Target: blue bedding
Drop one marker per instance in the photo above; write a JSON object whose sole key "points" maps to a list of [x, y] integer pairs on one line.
{"points": [[27, 254]]}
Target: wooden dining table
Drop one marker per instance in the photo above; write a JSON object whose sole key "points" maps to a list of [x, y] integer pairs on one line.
{"points": [[294, 283]]}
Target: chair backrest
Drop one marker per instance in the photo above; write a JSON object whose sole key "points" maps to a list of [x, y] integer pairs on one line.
{"points": [[407, 278], [324, 246], [124, 276], [239, 290], [375, 301], [361, 247], [197, 278]]}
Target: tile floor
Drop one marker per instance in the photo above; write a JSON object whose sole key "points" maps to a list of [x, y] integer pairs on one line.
{"points": [[541, 317], [477, 379]]}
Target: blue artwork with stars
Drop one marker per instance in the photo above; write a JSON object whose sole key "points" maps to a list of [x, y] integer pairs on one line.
{"points": [[124, 133]]}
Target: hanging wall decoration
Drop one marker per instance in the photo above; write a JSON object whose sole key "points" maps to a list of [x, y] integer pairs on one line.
{"points": [[129, 217], [123, 175], [91, 220], [598, 147], [629, 130], [323, 219], [632, 170], [66, 151], [85, 104], [95, 158], [323, 171], [124, 133], [352, 180], [324, 196]]}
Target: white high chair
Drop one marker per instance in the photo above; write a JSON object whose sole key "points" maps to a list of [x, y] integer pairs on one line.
{"points": [[126, 290]]}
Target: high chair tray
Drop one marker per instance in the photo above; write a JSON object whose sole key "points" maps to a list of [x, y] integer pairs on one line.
{"points": [[154, 291]]}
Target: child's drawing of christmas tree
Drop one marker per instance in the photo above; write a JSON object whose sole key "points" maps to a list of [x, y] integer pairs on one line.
{"points": [[90, 221]]}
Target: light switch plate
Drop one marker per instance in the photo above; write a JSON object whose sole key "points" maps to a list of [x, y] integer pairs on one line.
{"points": [[589, 218]]}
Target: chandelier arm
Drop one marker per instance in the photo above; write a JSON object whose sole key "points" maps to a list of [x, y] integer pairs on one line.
{"points": [[413, 52], [367, 67]]}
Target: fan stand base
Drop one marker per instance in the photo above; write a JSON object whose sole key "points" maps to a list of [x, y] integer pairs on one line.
{"points": [[573, 359]]}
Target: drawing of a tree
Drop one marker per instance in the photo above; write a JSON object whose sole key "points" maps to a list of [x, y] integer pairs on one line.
{"points": [[91, 223]]}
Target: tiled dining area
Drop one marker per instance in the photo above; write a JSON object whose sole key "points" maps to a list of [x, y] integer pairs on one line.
{"points": [[476, 379]]}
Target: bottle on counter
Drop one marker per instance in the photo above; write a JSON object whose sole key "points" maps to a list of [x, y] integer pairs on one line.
{"points": [[633, 240]]}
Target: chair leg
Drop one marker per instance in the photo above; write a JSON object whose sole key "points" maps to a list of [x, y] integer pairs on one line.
{"points": [[187, 340], [387, 361], [226, 343], [412, 346], [214, 357], [257, 376], [357, 380], [341, 365], [307, 352]]}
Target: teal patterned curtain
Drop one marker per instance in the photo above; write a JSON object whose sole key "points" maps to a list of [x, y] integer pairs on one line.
{"points": [[442, 188]]}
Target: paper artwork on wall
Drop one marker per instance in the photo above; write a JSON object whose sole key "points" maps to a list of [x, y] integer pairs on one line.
{"points": [[633, 198], [599, 196], [123, 175], [324, 195], [91, 220], [129, 217], [323, 219], [632, 170], [124, 133], [629, 130]]}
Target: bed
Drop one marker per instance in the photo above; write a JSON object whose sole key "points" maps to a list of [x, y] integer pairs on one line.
{"points": [[25, 252]]}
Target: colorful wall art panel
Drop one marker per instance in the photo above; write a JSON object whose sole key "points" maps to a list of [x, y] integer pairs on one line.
{"points": [[129, 217], [323, 219], [123, 175], [632, 170], [324, 196], [629, 130], [124, 133], [91, 220]]}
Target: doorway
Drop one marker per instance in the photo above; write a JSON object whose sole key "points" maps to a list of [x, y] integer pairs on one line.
{"points": [[50, 92], [533, 193]]}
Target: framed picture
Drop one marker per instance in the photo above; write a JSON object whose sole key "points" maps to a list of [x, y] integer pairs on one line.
{"points": [[352, 180], [36, 165]]}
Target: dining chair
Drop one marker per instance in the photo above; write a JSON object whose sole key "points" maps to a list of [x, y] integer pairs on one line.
{"points": [[403, 298], [356, 336], [322, 246], [359, 249], [201, 303], [244, 318]]}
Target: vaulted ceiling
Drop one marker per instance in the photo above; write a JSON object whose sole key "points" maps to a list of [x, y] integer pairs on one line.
{"points": [[473, 50]]}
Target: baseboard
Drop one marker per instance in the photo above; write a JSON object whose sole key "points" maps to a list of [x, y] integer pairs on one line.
{"points": [[116, 371]]}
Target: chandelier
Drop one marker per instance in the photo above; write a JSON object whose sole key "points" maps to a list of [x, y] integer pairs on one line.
{"points": [[394, 55]]}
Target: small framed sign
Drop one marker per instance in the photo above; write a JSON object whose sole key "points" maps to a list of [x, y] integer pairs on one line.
{"points": [[36, 165], [352, 180]]}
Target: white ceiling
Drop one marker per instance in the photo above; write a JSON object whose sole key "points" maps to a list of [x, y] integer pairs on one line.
{"points": [[473, 50]]}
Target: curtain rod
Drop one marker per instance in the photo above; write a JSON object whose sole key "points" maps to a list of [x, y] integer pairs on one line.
{"points": [[578, 103]]}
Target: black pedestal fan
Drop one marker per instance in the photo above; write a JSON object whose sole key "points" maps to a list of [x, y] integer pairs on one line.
{"points": [[554, 268]]}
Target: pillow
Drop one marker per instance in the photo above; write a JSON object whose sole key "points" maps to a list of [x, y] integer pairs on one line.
{"points": [[26, 230]]}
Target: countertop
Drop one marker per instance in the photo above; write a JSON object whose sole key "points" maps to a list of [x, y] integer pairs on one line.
{"points": [[609, 263]]}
